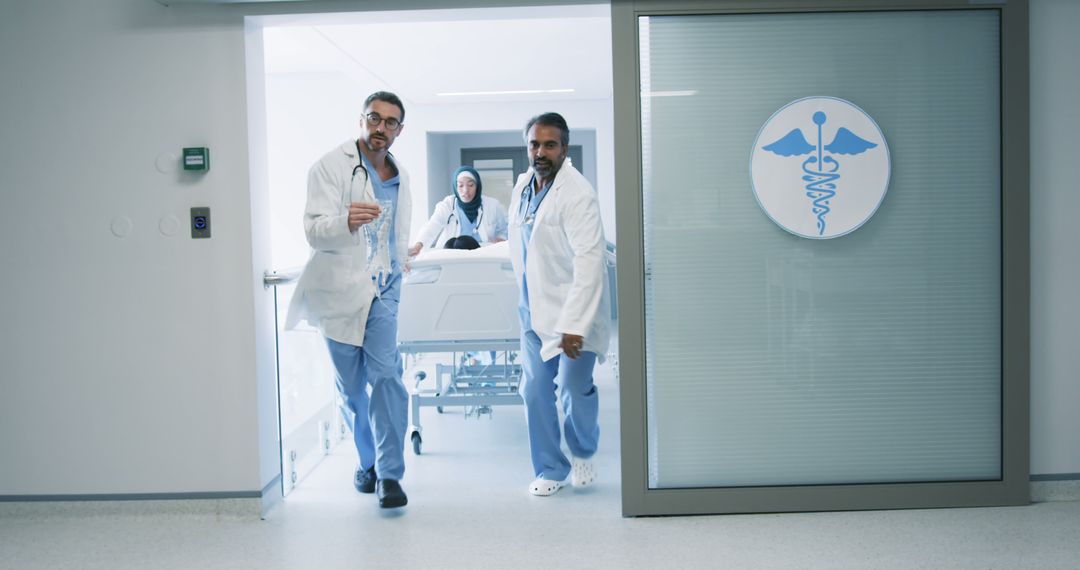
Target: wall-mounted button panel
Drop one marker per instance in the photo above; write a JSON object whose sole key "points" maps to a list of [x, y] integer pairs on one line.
{"points": [[197, 158], [200, 222]]}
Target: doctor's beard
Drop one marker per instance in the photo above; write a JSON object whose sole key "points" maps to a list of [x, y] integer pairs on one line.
{"points": [[544, 168]]}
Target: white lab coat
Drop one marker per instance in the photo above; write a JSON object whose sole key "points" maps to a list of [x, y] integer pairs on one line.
{"points": [[568, 288], [335, 291], [444, 225]]}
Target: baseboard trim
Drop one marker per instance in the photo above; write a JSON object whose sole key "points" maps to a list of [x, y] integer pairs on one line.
{"points": [[132, 497], [1044, 488], [239, 503], [1057, 477], [271, 497], [1055, 487]]}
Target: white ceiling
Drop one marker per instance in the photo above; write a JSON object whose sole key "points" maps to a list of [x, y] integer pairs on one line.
{"points": [[420, 54]]}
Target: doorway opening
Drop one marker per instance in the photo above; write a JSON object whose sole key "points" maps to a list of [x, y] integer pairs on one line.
{"points": [[469, 79]]}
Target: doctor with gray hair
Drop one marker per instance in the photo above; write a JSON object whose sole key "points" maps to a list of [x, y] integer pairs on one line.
{"points": [[557, 250]]}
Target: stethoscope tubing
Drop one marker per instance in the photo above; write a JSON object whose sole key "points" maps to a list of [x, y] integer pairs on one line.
{"points": [[347, 199], [523, 216]]}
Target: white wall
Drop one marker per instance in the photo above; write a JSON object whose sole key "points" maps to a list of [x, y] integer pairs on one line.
{"points": [[1055, 261], [129, 365], [308, 115]]}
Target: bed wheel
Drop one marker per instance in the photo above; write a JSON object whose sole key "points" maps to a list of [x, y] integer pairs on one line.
{"points": [[416, 442]]}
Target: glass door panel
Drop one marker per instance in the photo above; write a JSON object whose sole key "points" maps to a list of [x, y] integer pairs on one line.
{"points": [[773, 359]]}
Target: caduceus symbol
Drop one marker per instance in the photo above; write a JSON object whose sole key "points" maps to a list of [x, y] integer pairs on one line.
{"points": [[821, 170]]}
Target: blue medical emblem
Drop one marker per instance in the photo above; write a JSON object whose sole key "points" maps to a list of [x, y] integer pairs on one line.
{"points": [[821, 171]]}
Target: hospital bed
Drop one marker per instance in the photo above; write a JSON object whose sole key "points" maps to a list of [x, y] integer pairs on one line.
{"points": [[463, 303]]}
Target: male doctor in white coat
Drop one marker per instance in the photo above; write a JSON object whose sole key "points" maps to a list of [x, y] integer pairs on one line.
{"points": [[557, 250], [352, 294]]}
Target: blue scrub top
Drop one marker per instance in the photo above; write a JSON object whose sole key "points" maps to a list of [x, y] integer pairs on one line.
{"points": [[387, 190], [465, 226], [530, 202]]}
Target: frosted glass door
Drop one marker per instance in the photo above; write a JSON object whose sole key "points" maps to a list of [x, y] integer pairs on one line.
{"points": [[773, 359]]}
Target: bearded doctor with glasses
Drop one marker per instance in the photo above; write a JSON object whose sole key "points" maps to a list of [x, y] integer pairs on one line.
{"points": [[351, 286], [557, 250]]}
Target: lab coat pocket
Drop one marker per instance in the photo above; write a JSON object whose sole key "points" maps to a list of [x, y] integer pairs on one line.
{"points": [[543, 233], [332, 285], [328, 271], [549, 220]]}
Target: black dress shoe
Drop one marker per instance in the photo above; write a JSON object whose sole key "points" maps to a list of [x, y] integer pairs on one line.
{"points": [[390, 494], [365, 480]]}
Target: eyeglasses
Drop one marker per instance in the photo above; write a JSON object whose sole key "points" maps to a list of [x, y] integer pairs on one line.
{"points": [[375, 119]]}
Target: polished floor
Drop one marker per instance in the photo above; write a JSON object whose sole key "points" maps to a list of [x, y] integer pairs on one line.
{"points": [[469, 509]]}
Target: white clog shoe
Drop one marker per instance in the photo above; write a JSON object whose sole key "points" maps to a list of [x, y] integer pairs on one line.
{"points": [[582, 472], [545, 487]]}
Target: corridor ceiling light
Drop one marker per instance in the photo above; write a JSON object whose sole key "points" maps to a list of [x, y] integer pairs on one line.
{"points": [[686, 93], [517, 92]]}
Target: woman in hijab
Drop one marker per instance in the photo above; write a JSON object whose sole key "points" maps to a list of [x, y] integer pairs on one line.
{"points": [[466, 220]]}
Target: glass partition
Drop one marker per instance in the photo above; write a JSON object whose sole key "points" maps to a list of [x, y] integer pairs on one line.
{"points": [[311, 423], [874, 357]]}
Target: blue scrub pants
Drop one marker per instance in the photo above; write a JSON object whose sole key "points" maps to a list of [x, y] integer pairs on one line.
{"points": [[378, 421], [580, 403]]}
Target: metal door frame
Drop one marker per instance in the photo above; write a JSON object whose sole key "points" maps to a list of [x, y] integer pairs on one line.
{"points": [[1013, 488]]}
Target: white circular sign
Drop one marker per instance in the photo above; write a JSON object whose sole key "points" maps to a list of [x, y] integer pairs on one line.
{"points": [[121, 226], [167, 162], [820, 167], [168, 225]]}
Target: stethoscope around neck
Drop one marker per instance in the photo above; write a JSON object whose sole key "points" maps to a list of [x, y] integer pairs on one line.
{"points": [[347, 198], [476, 224], [453, 216], [525, 218], [358, 168]]}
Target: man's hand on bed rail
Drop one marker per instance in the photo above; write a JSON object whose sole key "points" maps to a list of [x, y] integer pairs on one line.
{"points": [[571, 345]]}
